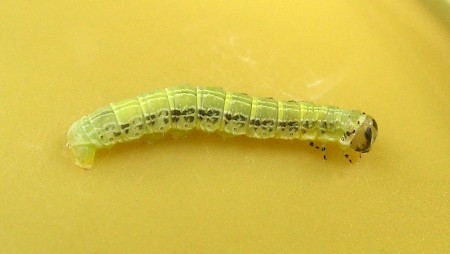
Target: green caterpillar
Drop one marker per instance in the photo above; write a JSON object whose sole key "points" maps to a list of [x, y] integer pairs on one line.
{"points": [[185, 108]]}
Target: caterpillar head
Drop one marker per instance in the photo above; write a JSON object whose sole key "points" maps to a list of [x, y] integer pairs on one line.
{"points": [[365, 135]]}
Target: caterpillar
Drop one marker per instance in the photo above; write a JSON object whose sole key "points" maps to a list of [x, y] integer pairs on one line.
{"points": [[184, 108]]}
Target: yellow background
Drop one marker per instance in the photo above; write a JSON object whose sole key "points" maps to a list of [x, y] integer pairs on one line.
{"points": [[60, 60]]}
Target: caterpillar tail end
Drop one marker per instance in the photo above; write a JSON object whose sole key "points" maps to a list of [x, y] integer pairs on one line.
{"points": [[81, 144], [84, 155]]}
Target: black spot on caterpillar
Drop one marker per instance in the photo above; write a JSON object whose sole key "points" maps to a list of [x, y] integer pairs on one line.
{"points": [[214, 110]]}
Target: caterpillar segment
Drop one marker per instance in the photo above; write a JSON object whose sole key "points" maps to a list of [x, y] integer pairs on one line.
{"points": [[185, 108]]}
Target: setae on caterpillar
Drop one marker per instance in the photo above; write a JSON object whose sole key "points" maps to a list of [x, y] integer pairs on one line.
{"points": [[185, 108]]}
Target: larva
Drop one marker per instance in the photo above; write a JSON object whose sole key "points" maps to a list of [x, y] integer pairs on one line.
{"points": [[185, 108]]}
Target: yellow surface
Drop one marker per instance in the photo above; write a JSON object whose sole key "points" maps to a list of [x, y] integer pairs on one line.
{"points": [[203, 194]]}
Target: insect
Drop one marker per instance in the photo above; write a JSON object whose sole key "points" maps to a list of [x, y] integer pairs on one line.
{"points": [[184, 108]]}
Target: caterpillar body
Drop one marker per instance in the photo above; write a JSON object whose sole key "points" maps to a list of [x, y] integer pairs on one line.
{"points": [[209, 109]]}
